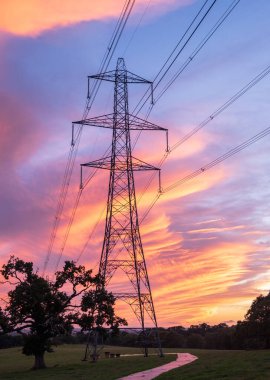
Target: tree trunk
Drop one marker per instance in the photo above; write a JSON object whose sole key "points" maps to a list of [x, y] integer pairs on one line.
{"points": [[39, 362]]}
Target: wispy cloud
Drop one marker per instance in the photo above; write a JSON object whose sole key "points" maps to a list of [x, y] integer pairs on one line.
{"points": [[206, 242]]}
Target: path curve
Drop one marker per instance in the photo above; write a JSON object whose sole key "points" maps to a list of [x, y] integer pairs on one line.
{"points": [[149, 374]]}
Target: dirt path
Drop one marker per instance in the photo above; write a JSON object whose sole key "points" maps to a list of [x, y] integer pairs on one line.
{"points": [[149, 374]]}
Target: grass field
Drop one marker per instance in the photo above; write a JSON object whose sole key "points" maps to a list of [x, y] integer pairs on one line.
{"points": [[219, 365], [66, 364]]}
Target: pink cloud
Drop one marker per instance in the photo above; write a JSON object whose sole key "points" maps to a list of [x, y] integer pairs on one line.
{"points": [[32, 17], [17, 122]]}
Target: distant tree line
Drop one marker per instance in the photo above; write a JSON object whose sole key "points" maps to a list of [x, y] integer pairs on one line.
{"points": [[251, 334], [196, 336]]}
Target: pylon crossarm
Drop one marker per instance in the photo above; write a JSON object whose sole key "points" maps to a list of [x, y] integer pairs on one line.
{"points": [[136, 123], [138, 165], [109, 76], [124, 263], [103, 121], [129, 297], [105, 163], [134, 78], [106, 121]]}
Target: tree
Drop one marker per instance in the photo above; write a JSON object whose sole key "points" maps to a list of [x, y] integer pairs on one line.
{"points": [[41, 309], [254, 331], [200, 329]]}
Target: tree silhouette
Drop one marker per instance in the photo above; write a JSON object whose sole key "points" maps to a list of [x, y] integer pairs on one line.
{"points": [[254, 331], [41, 309]]}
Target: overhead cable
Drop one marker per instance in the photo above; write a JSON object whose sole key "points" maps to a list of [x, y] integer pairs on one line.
{"points": [[125, 13], [210, 118], [208, 166]]}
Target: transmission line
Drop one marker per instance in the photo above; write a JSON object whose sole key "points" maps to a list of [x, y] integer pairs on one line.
{"points": [[208, 166], [224, 106], [112, 47], [166, 71], [196, 51], [138, 107], [187, 62], [125, 13], [68, 228], [200, 46], [210, 118], [90, 100]]}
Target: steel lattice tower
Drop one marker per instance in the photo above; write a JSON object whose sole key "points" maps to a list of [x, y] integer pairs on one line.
{"points": [[122, 245]]}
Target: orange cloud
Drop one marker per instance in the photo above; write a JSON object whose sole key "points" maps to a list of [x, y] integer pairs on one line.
{"points": [[32, 17], [198, 287]]}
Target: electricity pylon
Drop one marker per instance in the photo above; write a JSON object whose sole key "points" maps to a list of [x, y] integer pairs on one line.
{"points": [[122, 245]]}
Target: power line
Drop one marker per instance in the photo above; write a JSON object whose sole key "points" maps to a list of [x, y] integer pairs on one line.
{"points": [[112, 46], [208, 166], [138, 108], [179, 42], [187, 62], [223, 107], [199, 47], [125, 13], [170, 65], [68, 228], [164, 74], [220, 159], [210, 118]]}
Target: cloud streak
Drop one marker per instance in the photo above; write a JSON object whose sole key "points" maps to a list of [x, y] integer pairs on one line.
{"points": [[206, 242]]}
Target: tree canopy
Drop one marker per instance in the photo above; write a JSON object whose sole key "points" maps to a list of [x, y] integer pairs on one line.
{"points": [[254, 331]]}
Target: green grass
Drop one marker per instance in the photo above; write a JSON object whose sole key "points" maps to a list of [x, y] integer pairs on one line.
{"points": [[65, 364], [219, 365]]}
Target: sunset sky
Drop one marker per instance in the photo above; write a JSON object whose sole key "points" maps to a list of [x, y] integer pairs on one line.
{"points": [[206, 242]]}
